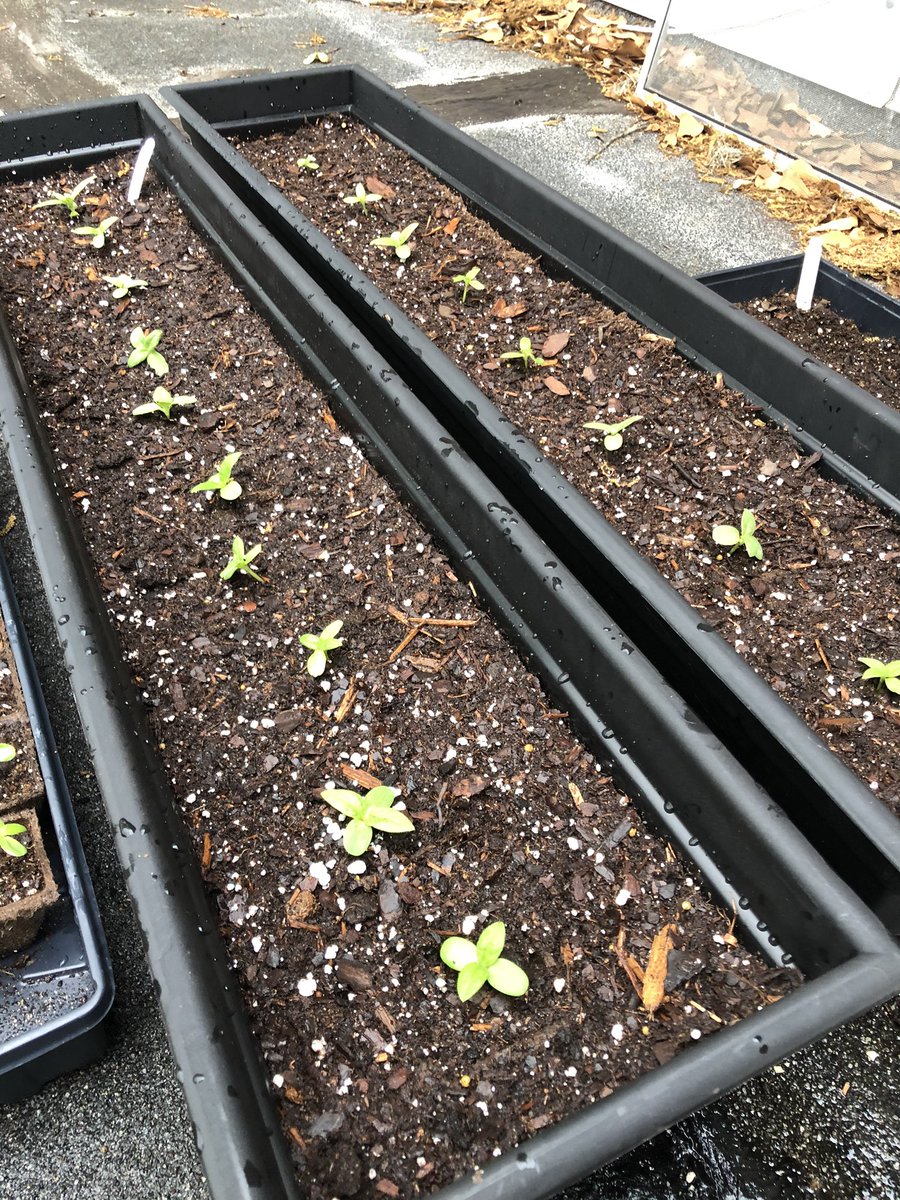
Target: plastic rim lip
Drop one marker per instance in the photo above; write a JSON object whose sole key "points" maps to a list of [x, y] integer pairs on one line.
{"points": [[854, 830], [243, 1153]]}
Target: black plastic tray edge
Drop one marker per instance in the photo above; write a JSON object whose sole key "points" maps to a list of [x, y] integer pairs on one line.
{"points": [[874, 972], [75, 1038], [860, 837], [872, 310]]}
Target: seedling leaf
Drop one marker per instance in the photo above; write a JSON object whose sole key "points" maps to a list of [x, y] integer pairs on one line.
{"points": [[471, 979], [506, 977]]}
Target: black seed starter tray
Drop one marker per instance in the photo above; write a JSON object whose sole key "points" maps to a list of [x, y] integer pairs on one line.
{"points": [[853, 830], [872, 310], [55, 993], [790, 903]]}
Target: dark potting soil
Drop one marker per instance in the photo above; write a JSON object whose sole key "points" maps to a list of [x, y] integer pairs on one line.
{"points": [[867, 360], [20, 778], [386, 1083], [826, 592]]}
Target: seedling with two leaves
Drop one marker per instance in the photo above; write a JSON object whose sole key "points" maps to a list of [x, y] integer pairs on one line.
{"points": [[97, 233], [886, 673], [612, 439], [320, 644], [398, 241], [362, 197], [479, 963], [9, 842], [728, 535], [470, 282], [221, 481], [163, 401], [525, 354], [308, 163], [66, 200], [123, 284], [373, 811], [240, 560], [145, 344]]}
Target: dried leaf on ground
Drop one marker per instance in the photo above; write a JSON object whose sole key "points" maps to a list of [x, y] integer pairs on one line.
{"points": [[654, 986]]}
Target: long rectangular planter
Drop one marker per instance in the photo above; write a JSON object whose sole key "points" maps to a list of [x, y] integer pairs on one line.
{"points": [[861, 436], [872, 310], [790, 902], [68, 960]]}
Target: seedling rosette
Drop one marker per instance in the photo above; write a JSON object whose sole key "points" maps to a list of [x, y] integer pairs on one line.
{"points": [[612, 439], [320, 644], [66, 200], [361, 197], [886, 673], [97, 233], [240, 560], [525, 354], [145, 351], [479, 963], [373, 811], [221, 481], [123, 284], [163, 401], [397, 241], [728, 535]]}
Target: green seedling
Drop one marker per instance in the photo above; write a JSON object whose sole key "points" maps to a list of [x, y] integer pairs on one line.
{"points": [[362, 197], [97, 233], [7, 752], [240, 560], [163, 401], [320, 644], [372, 811], [317, 56], [9, 843], [145, 350], [123, 284], [470, 282], [886, 673], [308, 163], [398, 240], [66, 200], [526, 354], [221, 482], [727, 535], [612, 433], [479, 963]]}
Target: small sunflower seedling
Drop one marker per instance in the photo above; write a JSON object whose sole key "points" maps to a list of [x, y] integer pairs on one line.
{"points": [[727, 535], [886, 673], [612, 439], [479, 963], [320, 644], [163, 401], [398, 240], [221, 482], [97, 233], [66, 200], [145, 351], [240, 560], [9, 842], [372, 811], [526, 354], [470, 282], [7, 752], [123, 284], [362, 197], [308, 163]]}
